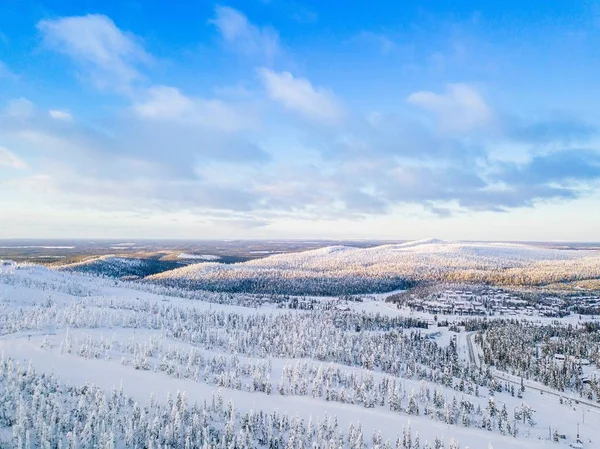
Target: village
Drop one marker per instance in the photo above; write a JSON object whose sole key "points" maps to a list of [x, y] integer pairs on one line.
{"points": [[493, 301]]}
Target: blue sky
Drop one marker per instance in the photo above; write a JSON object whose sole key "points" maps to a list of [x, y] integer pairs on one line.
{"points": [[282, 119]]}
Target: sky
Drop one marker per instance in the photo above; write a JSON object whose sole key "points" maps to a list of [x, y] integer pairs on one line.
{"points": [[456, 120]]}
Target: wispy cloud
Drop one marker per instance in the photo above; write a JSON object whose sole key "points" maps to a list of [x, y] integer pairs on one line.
{"points": [[242, 35], [60, 114], [169, 103], [10, 160], [299, 95], [379, 40], [6, 72], [108, 55], [460, 109], [19, 108]]}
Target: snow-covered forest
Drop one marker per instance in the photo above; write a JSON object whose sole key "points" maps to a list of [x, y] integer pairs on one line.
{"points": [[339, 270], [94, 362]]}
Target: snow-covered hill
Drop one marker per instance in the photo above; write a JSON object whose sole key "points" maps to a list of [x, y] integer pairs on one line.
{"points": [[342, 269], [120, 267]]}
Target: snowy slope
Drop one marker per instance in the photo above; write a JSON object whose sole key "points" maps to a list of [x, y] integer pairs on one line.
{"points": [[207, 257], [116, 266], [385, 267], [107, 327]]}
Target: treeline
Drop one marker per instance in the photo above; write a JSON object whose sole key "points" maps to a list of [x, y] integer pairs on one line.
{"points": [[321, 285]]}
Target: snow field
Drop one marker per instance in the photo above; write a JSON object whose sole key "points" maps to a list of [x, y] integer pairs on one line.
{"points": [[120, 328]]}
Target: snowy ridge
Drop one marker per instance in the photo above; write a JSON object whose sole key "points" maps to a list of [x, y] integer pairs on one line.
{"points": [[421, 242], [384, 266], [107, 259], [187, 256], [109, 265], [119, 267]]}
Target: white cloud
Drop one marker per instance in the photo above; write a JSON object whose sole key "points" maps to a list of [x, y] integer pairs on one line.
{"points": [[164, 102], [20, 108], [238, 31], [299, 95], [9, 159], [169, 103], [60, 114], [97, 44], [460, 109]]}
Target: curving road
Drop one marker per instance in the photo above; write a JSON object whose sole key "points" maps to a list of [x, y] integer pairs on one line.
{"points": [[505, 377]]}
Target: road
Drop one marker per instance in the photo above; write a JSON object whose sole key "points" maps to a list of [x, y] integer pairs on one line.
{"points": [[472, 357], [505, 377], [501, 376]]}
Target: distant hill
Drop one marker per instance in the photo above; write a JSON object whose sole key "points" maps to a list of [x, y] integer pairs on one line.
{"points": [[120, 267], [337, 270]]}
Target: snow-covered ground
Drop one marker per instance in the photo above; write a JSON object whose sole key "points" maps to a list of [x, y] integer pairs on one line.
{"points": [[188, 256], [56, 310]]}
